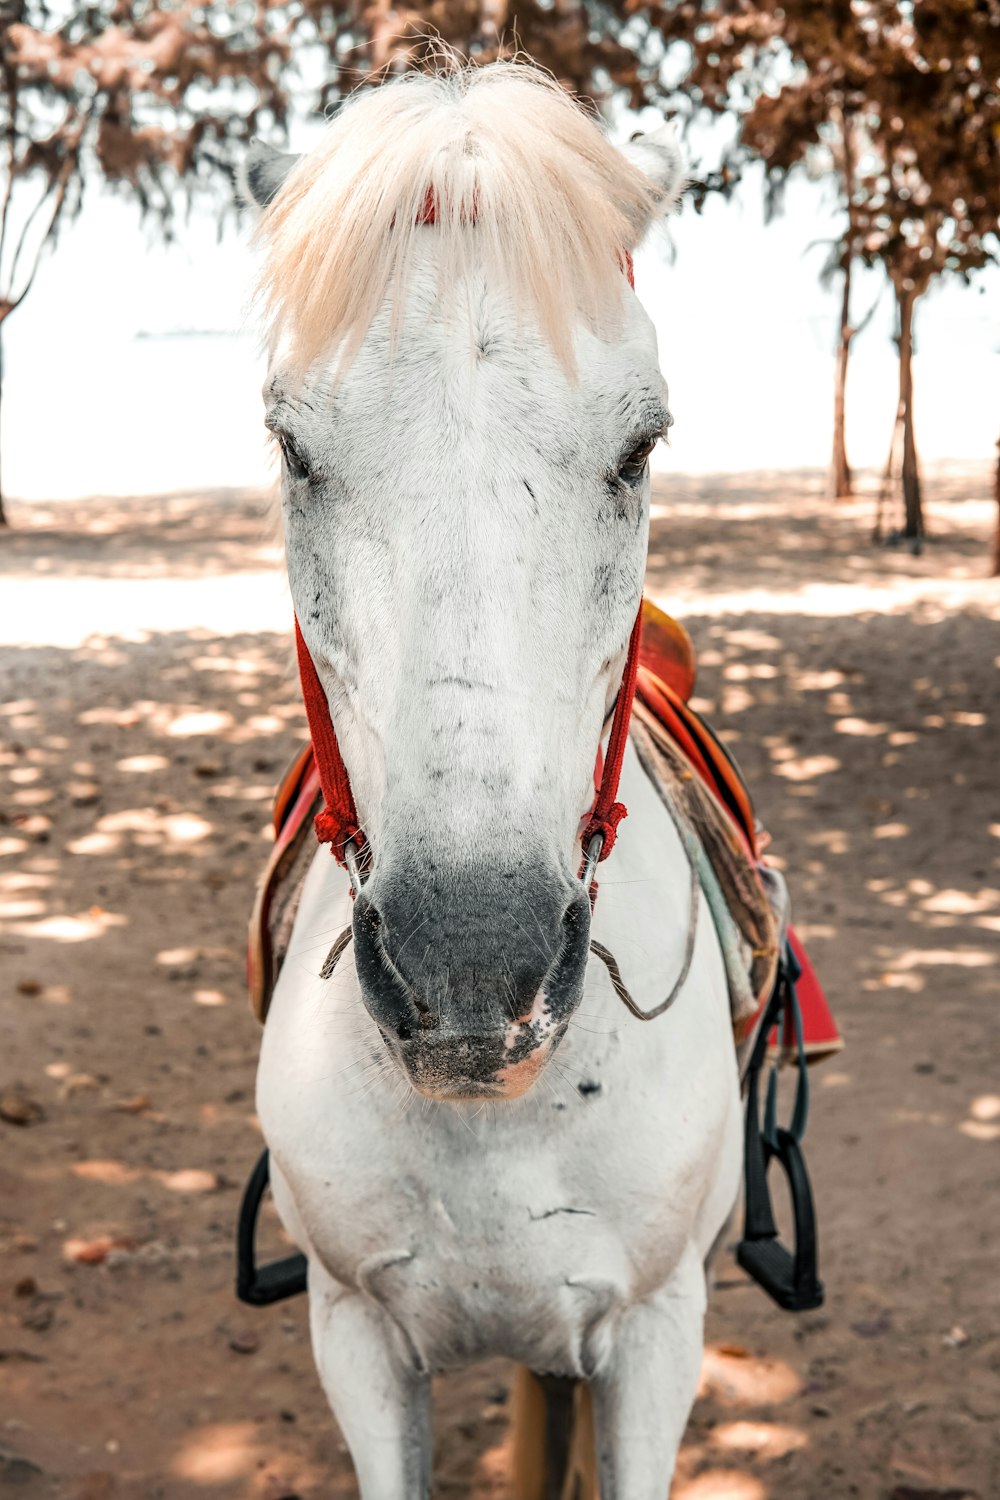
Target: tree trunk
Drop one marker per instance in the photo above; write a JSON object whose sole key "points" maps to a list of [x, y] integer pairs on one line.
{"points": [[843, 486], [886, 487], [841, 476], [996, 534], [913, 524]]}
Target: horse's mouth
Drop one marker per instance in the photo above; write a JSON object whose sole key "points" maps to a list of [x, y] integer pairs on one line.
{"points": [[470, 1016], [464, 1069]]}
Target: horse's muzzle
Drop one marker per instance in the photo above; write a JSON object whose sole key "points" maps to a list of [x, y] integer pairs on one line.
{"points": [[472, 979]]}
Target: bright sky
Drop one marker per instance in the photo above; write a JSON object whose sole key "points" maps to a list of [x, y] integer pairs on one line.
{"points": [[131, 368]]}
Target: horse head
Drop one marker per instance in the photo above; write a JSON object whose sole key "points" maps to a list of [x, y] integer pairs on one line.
{"points": [[465, 392]]}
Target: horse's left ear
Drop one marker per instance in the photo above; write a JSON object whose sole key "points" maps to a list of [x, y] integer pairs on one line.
{"points": [[660, 158], [262, 173]]}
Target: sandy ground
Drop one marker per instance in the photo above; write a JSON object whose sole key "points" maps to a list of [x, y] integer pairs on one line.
{"points": [[150, 705]]}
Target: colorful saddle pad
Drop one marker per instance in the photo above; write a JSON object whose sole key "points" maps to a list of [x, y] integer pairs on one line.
{"points": [[686, 761], [689, 763]]}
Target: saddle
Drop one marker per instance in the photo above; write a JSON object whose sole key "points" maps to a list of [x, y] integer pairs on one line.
{"points": [[691, 770]]}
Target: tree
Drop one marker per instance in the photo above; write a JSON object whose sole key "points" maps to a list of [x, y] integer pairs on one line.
{"points": [[931, 199], [898, 103], [796, 77], [895, 101], [142, 96], [153, 98]]}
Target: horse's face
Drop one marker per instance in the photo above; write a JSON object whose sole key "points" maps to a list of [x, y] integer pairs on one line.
{"points": [[466, 531]]}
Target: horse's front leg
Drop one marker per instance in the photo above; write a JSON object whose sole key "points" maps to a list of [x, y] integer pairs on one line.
{"points": [[379, 1397], [645, 1389]]}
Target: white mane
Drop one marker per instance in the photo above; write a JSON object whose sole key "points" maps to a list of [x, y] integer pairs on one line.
{"points": [[518, 175]]}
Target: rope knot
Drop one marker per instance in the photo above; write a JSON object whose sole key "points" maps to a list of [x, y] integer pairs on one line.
{"points": [[606, 824], [331, 829], [327, 826]]}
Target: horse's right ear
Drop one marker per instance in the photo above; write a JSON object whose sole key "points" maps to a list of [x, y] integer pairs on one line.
{"points": [[262, 173], [660, 157]]}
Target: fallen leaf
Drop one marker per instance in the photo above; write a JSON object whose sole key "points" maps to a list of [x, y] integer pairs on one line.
{"points": [[244, 1342], [133, 1105], [18, 1109], [94, 1252]]}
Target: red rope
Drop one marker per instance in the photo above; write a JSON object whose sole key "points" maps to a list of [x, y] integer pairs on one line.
{"points": [[606, 813], [337, 822]]}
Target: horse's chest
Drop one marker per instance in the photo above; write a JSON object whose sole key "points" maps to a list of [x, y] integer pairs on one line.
{"points": [[488, 1273], [478, 1240], [515, 1229]]}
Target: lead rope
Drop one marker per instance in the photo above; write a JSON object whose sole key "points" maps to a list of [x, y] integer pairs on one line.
{"points": [[694, 905]]}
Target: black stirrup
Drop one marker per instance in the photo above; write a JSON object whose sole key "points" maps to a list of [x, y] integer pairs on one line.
{"points": [[262, 1285], [788, 1276]]}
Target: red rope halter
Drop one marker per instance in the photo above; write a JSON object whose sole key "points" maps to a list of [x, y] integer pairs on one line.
{"points": [[607, 813], [337, 822]]}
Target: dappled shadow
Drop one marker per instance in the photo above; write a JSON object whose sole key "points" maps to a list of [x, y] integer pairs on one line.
{"points": [[135, 784], [136, 769], [778, 533], [189, 533]]}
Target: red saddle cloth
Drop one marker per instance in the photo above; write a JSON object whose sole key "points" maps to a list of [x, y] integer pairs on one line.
{"points": [[665, 682], [667, 669]]}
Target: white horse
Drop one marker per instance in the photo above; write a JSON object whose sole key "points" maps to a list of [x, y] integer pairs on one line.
{"points": [[478, 1149]]}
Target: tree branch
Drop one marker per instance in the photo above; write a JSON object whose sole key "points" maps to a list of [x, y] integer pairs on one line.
{"points": [[61, 184]]}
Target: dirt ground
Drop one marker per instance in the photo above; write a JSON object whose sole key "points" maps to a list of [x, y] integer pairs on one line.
{"points": [[150, 704]]}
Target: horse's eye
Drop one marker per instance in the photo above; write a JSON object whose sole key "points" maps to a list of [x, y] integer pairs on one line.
{"points": [[634, 466], [293, 462]]}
